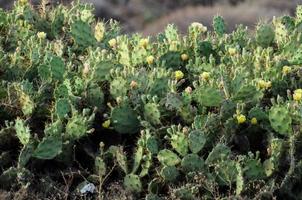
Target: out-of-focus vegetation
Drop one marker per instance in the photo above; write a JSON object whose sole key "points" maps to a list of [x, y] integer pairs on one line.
{"points": [[151, 16]]}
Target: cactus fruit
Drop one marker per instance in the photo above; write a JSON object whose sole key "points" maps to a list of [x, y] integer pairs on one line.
{"points": [[265, 35], [48, 148], [133, 183], [219, 25], [192, 163], [82, 34], [169, 173], [197, 141], [124, 119], [152, 113], [168, 158], [280, 119]]}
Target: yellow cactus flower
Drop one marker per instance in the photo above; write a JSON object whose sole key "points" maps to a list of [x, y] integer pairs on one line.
{"points": [[297, 96], [99, 31], [264, 84], [106, 124], [179, 75], [41, 35], [286, 70], [23, 2], [184, 57], [232, 51], [205, 76], [254, 121], [112, 43], [199, 26], [150, 60], [241, 118], [144, 42]]}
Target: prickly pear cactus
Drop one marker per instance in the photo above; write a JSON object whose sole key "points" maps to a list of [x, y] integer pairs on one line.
{"points": [[168, 158], [82, 34], [192, 163], [124, 119], [169, 173], [265, 35], [132, 183], [48, 148], [197, 141], [219, 25], [280, 119], [152, 113]]}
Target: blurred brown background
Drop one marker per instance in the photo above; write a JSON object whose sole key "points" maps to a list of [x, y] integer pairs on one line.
{"points": [[151, 16]]}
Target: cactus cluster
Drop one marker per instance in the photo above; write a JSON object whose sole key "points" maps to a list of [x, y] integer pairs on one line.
{"points": [[210, 115]]}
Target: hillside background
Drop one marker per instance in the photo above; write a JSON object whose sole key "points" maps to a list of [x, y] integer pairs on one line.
{"points": [[151, 16]]}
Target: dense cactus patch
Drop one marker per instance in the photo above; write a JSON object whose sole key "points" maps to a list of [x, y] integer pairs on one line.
{"points": [[206, 115]]}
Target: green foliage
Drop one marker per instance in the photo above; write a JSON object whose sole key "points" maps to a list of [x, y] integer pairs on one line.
{"points": [[81, 102], [124, 119], [280, 119], [265, 35]]}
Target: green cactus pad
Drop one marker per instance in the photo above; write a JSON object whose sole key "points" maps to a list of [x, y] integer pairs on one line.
{"points": [[180, 144], [57, 67], [23, 131], [48, 148], [152, 113], [171, 59], [132, 183], [197, 140], [280, 119], [265, 35], [168, 158], [169, 173], [124, 119], [82, 34], [62, 107], [219, 152], [209, 97], [192, 163], [219, 25], [152, 145]]}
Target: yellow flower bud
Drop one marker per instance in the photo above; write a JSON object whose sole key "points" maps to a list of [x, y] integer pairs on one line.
{"points": [[205, 76], [179, 75], [241, 119], [112, 43], [150, 60], [99, 31], [144, 42], [199, 26], [264, 84], [254, 121], [41, 35], [286, 70], [184, 57], [106, 124], [232, 51], [297, 96]]}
